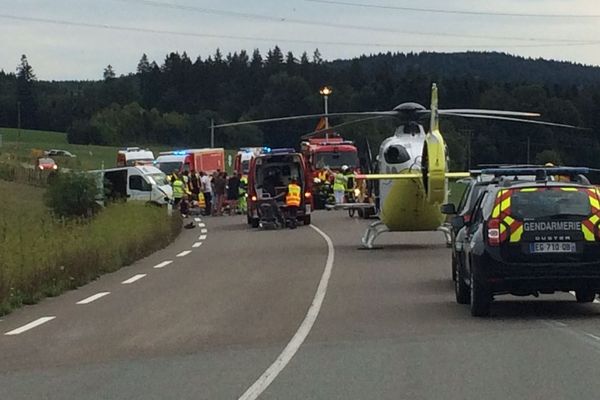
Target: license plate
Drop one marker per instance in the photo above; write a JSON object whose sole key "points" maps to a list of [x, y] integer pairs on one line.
{"points": [[553, 247]]}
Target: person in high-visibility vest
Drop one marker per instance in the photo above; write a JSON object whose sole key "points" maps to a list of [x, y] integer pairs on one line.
{"points": [[178, 189], [292, 201], [340, 180]]}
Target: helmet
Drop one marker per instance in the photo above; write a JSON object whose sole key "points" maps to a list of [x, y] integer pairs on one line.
{"points": [[344, 168], [548, 164]]}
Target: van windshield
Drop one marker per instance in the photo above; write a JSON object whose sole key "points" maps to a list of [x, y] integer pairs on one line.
{"points": [[158, 179], [544, 203]]}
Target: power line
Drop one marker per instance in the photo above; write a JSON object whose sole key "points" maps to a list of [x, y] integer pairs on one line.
{"points": [[460, 12], [328, 24], [277, 40]]}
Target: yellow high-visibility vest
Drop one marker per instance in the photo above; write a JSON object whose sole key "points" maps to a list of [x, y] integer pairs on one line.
{"points": [[293, 195]]}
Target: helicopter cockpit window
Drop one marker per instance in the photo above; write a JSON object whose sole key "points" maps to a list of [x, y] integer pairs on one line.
{"points": [[396, 154]]}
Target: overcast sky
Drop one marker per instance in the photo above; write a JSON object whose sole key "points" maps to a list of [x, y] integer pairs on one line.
{"points": [[66, 50]]}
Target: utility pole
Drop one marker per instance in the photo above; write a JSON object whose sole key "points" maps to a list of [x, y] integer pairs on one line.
{"points": [[212, 133], [528, 150], [18, 122]]}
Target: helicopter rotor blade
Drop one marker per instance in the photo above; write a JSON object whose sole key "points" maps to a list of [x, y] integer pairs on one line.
{"points": [[356, 121], [489, 112], [527, 121], [308, 116]]}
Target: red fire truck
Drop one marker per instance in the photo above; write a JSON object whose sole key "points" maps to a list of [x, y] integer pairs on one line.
{"points": [[329, 152], [207, 160]]}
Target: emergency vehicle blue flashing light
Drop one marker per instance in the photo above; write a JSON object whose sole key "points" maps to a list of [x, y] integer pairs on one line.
{"points": [[180, 153], [536, 171], [266, 149], [283, 150]]}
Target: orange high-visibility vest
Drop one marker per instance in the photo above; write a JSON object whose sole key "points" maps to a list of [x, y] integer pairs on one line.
{"points": [[293, 195]]}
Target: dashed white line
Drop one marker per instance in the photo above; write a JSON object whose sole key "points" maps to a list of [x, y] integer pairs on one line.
{"points": [[162, 264], [593, 336], [204, 230], [197, 244], [198, 219], [202, 225], [95, 297], [183, 253], [202, 237], [29, 326], [292, 347], [133, 279]]}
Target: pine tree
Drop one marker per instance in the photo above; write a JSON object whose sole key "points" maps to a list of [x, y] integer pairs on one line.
{"points": [[109, 73], [25, 94], [143, 66], [317, 59]]}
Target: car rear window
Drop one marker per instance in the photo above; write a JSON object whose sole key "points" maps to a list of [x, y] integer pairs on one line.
{"points": [[549, 202]]}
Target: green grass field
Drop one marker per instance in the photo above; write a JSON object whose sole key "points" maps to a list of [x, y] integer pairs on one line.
{"points": [[23, 148], [43, 256]]}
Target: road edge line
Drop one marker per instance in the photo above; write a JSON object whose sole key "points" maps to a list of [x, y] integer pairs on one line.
{"points": [[263, 382]]}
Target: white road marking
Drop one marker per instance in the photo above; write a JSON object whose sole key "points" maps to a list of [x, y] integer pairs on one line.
{"points": [[292, 347], [198, 219], [183, 253], [133, 279], [202, 237], [163, 264], [197, 244], [593, 336], [204, 230], [561, 324], [29, 326], [202, 225], [93, 298]]}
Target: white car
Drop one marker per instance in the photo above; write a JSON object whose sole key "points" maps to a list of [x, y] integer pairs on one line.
{"points": [[59, 153]]}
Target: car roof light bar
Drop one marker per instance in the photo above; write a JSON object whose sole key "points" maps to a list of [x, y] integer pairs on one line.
{"points": [[537, 171]]}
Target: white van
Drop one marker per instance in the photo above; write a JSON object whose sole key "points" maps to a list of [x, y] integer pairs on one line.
{"points": [[141, 183]]}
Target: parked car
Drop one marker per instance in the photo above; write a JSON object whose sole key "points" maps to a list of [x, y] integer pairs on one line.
{"points": [[527, 238], [46, 163], [59, 153]]}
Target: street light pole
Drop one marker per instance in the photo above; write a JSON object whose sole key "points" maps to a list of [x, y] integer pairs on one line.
{"points": [[325, 92], [212, 133]]}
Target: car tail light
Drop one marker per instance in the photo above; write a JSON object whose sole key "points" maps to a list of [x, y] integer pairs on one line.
{"points": [[307, 195], [41, 167], [493, 232], [55, 166], [253, 198]]}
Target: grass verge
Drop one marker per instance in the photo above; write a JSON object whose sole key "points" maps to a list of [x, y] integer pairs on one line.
{"points": [[41, 256]]}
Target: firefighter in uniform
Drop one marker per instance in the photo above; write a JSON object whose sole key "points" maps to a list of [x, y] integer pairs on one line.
{"points": [[340, 181], [178, 188], [292, 201]]}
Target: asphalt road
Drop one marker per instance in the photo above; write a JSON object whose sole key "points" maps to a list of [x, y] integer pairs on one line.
{"points": [[210, 323]]}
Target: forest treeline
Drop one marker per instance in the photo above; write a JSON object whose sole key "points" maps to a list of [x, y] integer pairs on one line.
{"points": [[173, 101]]}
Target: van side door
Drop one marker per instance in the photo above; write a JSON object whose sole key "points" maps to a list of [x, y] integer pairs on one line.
{"points": [[139, 188]]}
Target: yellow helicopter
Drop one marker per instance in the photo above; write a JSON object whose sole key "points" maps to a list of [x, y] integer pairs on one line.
{"points": [[412, 164]]}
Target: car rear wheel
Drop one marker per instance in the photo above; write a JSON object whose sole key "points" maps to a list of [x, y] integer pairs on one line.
{"points": [[461, 289], [254, 222], [480, 296], [585, 296]]}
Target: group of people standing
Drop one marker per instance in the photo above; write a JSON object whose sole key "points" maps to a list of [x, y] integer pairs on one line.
{"points": [[217, 191]]}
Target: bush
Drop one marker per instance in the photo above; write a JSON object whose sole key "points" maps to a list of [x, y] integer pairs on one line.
{"points": [[72, 195]]}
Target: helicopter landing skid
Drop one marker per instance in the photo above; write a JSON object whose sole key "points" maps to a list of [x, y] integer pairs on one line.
{"points": [[445, 229], [372, 232]]}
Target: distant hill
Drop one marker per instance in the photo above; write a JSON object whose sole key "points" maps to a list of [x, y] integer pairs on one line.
{"points": [[489, 66]]}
